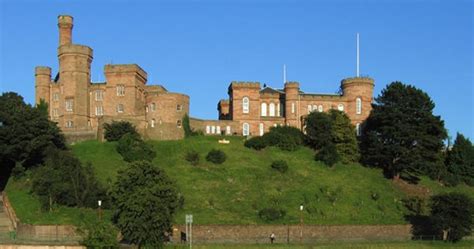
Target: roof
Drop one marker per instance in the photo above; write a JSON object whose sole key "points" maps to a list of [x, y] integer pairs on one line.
{"points": [[270, 90]]}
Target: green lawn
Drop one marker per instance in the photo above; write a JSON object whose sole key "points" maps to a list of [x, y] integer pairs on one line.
{"points": [[234, 192]]}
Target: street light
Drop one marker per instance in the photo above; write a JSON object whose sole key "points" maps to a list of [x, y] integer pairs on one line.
{"points": [[301, 223], [99, 202]]}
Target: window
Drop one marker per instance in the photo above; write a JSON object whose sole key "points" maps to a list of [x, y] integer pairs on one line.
{"points": [[309, 109], [245, 129], [153, 107], [179, 108], [120, 108], [69, 105], [69, 124], [227, 130], [208, 129], [99, 110], [261, 129], [218, 130], [55, 112], [99, 95], [358, 106], [153, 121], [278, 110], [320, 108], [263, 109], [340, 107], [293, 107], [178, 123], [120, 90], [55, 96], [358, 129], [213, 129], [315, 108], [245, 105], [271, 110]]}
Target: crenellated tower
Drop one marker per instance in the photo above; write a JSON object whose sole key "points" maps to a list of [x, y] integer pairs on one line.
{"points": [[42, 84], [358, 92], [292, 112]]}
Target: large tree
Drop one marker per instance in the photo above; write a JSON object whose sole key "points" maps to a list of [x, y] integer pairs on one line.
{"points": [[145, 200], [25, 132], [452, 215], [460, 160], [401, 134]]}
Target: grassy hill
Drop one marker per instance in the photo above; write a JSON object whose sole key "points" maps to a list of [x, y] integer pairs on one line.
{"points": [[234, 192]]}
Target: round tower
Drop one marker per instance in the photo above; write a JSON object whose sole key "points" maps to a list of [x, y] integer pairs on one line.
{"points": [[65, 24], [358, 94], [42, 84], [292, 91]]}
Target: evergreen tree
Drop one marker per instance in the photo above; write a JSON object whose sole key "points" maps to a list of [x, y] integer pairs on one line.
{"points": [[401, 134], [115, 130], [460, 160], [344, 137], [145, 201]]}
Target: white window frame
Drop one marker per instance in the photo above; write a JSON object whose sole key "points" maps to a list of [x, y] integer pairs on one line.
{"points": [[56, 96], [320, 108], [70, 105], [245, 105], [178, 123], [278, 110], [179, 107], [99, 110], [213, 129], [120, 90], [263, 109], [208, 129], [309, 109], [227, 130], [358, 130], [293, 107], [69, 124], [153, 107], [261, 129], [271, 110], [55, 112], [218, 130], [340, 107], [120, 108], [153, 123], [99, 95], [245, 129], [358, 105]]}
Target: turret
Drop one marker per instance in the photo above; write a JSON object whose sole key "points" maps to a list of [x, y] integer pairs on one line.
{"points": [[358, 93], [42, 84], [292, 91], [65, 24]]}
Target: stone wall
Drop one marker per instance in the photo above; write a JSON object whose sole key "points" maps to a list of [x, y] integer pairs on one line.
{"points": [[47, 232], [41, 247], [294, 233]]}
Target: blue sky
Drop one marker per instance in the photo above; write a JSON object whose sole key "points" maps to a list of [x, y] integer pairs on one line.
{"points": [[199, 47]]}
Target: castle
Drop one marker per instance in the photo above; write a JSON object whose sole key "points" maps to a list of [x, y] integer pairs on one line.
{"points": [[81, 107]]}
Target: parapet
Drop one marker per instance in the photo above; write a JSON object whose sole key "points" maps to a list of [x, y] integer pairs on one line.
{"points": [[125, 68], [65, 21], [74, 49], [42, 70], [245, 84], [224, 101], [358, 80], [292, 84]]}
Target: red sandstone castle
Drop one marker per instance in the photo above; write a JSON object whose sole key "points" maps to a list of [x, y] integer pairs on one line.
{"points": [[81, 107]]}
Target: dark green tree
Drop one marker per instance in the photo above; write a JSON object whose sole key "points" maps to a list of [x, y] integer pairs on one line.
{"points": [[460, 161], [133, 148], [401, 134], [98, 234], [216, 156], [115, 130], [452, 215], [145, 201], [344, 137], [25, 132], [318, 130]]}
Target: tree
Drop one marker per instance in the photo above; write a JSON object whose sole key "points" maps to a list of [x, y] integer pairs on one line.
{"points": [[115, 130], [133, 148], [318, 130], [460, 160], [98, 234], [63, 180], [25, 132], [344, 137], [401, 134], [452, 214], [145, 201]]}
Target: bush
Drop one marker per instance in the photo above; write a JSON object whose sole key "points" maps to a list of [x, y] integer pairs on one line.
{"points": [[328, 155], [18, 171], [192, 157], [271, 214], [416, 205], [115, 130], [280, 165], [284, 137], [133, 148], [216, 156], [98, 234], [256, 143]]}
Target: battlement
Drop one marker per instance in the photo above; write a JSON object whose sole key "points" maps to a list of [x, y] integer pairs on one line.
{"points": [[74, 49], [245, 84], [124, 69], [358, 80], [156, 89], [292, 84], [42, 70], [224, 101], [65, 21]]}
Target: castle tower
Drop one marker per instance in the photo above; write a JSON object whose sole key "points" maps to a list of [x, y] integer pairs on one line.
{"points": [[74, 77], [42, 84], [292, 90], [65, 24], [358, 92]]}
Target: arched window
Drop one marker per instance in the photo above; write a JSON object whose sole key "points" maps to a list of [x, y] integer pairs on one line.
{"points": [[261, 129], [245, 105], [358, 106], [208, 129], [245, 129], [309, 109], [278, 110], [218, 130], [264, 109], [271, 108], [358, 131], [340, 107], [178, 123], [320, 108], [153, 107], [153, 123], [315, 108], [227, 130]]}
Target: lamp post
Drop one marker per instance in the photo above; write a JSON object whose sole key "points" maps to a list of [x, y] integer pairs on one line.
{"points": [[99, 202], [301, 223]]}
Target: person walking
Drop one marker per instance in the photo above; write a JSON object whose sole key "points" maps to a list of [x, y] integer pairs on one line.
{"points": [[272, 238]]}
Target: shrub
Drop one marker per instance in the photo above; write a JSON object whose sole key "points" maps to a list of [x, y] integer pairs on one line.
{"points": [[188, 131], [133, 148], [328, 155], [416, 205], [256, 143], [271, 214], [216, 156], [98, 234], [280, 165], [18, 171], [192, 157], [284, 137], [115, 130]]}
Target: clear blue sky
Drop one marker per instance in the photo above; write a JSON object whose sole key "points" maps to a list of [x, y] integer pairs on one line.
{"points": [[199, 47]]}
